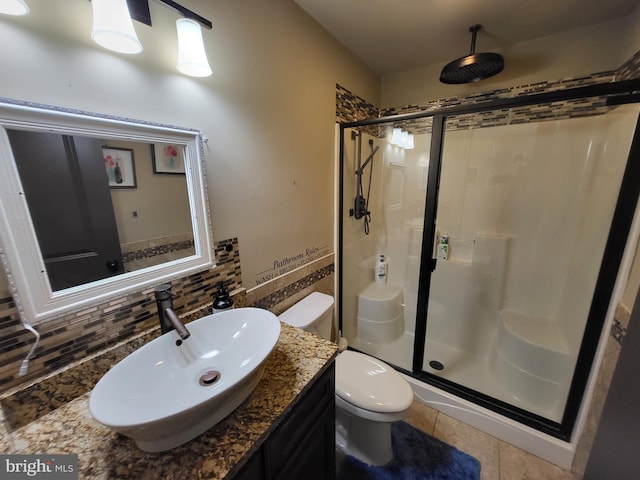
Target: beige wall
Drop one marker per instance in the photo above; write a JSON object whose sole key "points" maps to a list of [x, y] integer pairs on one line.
{"points": [[268, 110], [596, 48]]}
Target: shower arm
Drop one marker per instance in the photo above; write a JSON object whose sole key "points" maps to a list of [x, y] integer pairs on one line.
{"points": [[360, 170]]}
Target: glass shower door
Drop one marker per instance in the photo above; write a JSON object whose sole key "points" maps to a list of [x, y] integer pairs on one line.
{"points": [[389, 181], [523, 216]]}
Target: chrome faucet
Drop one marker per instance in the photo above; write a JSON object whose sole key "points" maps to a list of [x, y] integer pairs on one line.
{"points": [[168, 318]]}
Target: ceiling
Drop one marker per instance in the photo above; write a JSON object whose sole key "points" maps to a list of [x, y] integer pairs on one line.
{"points": [[397, 35]]}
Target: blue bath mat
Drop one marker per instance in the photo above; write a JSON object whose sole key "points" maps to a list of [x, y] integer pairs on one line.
{"points": [[416, 456]]}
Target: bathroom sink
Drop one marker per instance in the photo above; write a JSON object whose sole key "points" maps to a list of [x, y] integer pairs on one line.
{"points": [[165, 394]]}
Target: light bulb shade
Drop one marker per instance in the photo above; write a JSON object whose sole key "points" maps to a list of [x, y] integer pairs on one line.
{"points": [[113, 28], [13, 7], [192, 57], [396, 136]]}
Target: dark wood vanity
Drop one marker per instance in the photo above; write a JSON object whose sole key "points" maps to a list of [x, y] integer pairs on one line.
{"points": [[303, 444]]}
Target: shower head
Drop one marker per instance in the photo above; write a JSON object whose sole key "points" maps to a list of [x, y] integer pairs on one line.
{"points": [[473, 67]]}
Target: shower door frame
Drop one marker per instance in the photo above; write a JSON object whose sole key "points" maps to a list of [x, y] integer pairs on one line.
{"points": [[617, 93]]}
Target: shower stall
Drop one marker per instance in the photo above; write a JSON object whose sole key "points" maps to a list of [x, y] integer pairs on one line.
{"points": [[501, 230]]}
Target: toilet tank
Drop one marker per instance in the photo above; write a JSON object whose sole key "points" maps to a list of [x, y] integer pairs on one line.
{"points": [[313, 313]]}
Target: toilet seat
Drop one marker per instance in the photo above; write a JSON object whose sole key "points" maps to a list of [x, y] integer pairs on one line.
{"points": [[371, 386], [389, 417]]}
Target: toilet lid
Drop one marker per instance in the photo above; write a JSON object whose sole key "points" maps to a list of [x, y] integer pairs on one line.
{"points": [[369, 383]]}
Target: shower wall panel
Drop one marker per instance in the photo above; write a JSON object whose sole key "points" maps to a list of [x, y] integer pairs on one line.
{"points": [[607, 140], [359, 249], [533, 203]]}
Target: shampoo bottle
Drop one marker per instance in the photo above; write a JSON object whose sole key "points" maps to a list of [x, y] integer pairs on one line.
{"points": [[381, 269]]}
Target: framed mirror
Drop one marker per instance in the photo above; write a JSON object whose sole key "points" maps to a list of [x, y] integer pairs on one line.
{"points": [[94, 207]]}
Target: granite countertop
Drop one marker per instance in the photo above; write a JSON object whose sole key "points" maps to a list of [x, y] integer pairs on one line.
{"points": [[52, 416]]}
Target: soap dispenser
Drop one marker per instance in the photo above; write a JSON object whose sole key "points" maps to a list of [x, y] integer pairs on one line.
{"points": [[221, 300], [443, 248]]}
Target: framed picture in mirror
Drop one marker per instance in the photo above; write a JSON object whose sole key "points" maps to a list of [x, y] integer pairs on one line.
{"points": [[167, 158], [120, 167]]}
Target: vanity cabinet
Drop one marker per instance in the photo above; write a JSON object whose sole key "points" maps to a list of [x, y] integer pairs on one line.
{"points": [[303, 444]]}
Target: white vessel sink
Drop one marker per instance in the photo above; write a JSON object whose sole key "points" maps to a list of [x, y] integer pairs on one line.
{"points": [[156, 395]]}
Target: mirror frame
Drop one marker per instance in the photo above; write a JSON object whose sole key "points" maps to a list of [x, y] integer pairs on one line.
{"points": [[19, 249]]}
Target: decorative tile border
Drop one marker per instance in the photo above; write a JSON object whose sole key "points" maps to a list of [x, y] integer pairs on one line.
{"points": [[535, 113], [158, 250], [630, 69], [351, 108], [276, 300], [282, 292]]}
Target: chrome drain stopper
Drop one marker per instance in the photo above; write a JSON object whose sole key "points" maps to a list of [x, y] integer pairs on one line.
{"points": [[209, 378]]}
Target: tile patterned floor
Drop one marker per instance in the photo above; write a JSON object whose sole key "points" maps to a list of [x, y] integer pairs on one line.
{"points": [[500, 461]]}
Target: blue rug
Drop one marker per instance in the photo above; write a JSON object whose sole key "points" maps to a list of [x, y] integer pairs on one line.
{"points": [[416, 456]]}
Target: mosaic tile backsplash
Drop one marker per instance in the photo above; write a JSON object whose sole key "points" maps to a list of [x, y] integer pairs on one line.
{"points": [[147, 253], [85, 333], [81, 333], [351, 108]]}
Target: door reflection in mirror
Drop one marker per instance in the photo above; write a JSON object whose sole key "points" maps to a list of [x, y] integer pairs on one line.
{"points": [[100, 208]]}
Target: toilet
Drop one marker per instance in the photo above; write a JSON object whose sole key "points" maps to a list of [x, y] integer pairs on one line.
{"points": [[370, 395]]}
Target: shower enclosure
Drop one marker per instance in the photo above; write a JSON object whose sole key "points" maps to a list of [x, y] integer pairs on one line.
{"points": [[502, 230]]}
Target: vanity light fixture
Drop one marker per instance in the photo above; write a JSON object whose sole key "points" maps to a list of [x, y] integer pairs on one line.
{"points": [[13, 7], [192, 57], [113, 28], [117, 33]]}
